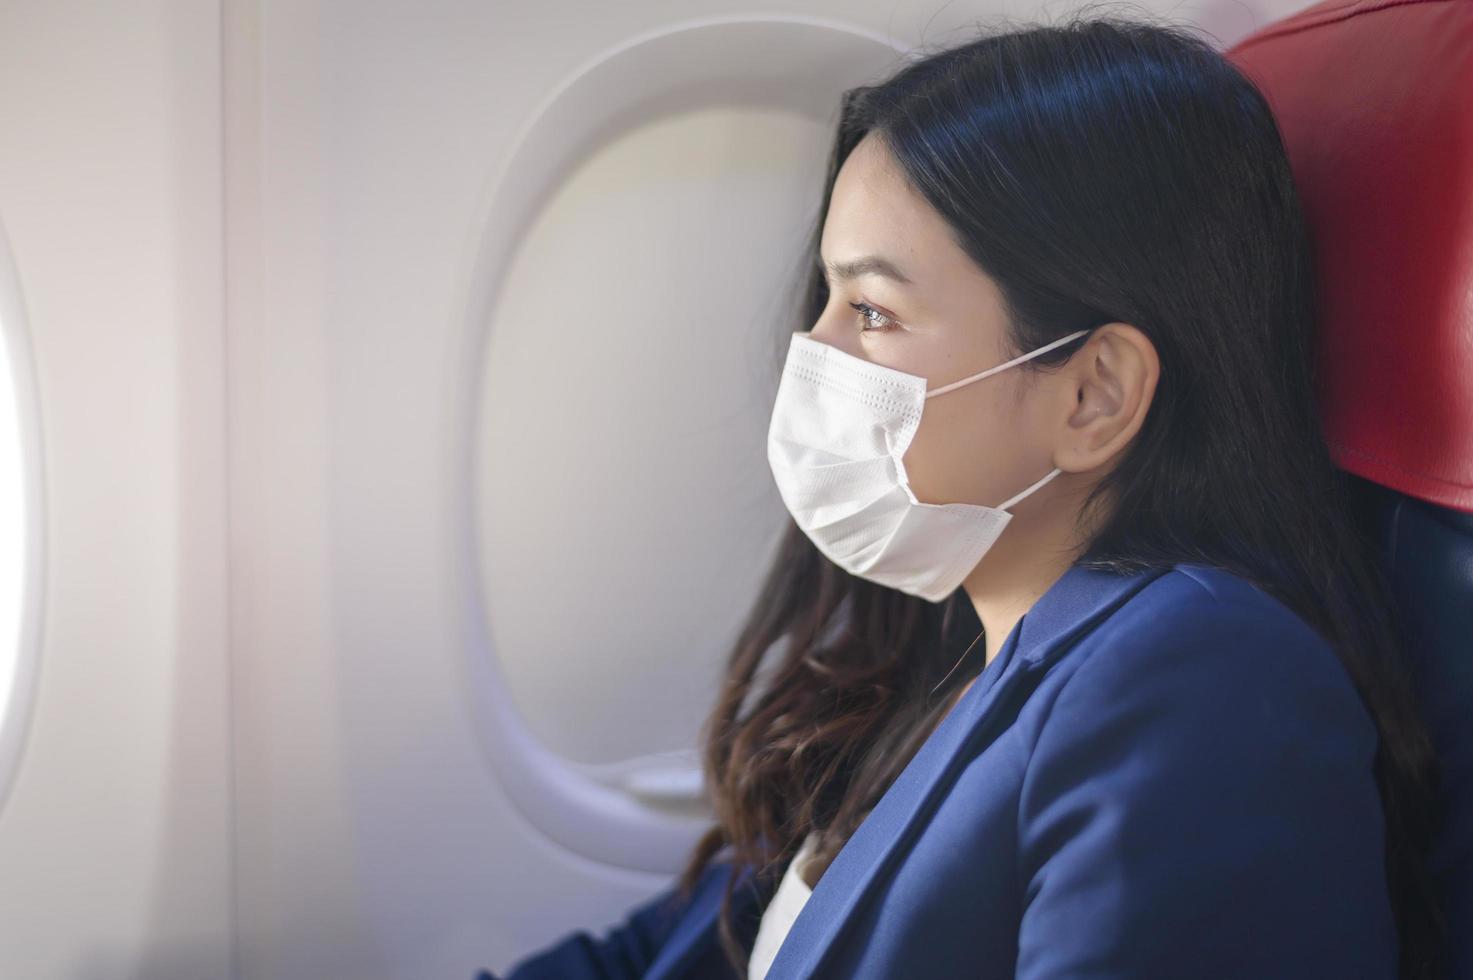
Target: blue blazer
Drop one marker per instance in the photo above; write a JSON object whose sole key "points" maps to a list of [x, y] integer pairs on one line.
{"points": [[1166, 774]]}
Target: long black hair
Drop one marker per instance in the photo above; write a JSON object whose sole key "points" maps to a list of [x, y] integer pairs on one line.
{"points": [[1102, 169]]}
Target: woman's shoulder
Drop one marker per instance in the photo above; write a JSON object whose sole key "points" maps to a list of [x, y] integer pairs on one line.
{"points": [[1206, 609], [1200, 769], [1194, 590], [1200, 639]]}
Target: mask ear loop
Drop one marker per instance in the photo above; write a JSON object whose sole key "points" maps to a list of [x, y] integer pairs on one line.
{"points": [[1007, 364], [1013, 500]]}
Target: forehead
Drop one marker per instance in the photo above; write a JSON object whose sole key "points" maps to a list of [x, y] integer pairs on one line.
{"points": [[873, 210]]}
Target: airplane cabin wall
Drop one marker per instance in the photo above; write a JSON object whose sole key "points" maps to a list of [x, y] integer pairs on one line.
{"points": [[299, 276]]}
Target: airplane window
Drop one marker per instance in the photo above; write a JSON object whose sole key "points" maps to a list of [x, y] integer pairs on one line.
{"points": [[20, 522], [12, 525], [626, 509]]}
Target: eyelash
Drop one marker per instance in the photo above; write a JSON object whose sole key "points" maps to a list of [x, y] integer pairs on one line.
{"points": [[868, 314]]}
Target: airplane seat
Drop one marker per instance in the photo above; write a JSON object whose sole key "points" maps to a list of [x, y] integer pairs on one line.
{"points": [[1374, 100]]}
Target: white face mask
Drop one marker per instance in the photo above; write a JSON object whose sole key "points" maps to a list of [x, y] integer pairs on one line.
{"points": [[840, 425]]}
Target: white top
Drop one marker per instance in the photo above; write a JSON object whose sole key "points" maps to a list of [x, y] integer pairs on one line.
{"points": [[791, 895]]}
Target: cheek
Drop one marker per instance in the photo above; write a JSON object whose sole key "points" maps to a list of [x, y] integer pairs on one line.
{"points": [[963, 450], [947, 451]]}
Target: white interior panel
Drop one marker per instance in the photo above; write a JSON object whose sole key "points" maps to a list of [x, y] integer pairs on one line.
{"points": [[115, 844]]}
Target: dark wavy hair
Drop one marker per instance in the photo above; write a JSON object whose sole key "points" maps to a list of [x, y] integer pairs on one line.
{"points": [[1101, 169]]}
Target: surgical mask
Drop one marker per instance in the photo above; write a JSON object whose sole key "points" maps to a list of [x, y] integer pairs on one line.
{"points": [[840, 425]]}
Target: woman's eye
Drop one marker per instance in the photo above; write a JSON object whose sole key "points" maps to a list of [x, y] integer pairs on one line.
{"points": [[871, 318]]}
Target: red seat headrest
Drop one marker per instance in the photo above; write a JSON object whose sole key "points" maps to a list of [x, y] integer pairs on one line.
{"points": [[1374, 99]]}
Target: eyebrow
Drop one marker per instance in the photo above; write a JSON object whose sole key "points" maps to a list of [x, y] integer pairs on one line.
{"points": [[875, 265]]}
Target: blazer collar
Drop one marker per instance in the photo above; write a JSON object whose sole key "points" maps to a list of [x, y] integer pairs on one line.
{"points": [[1074, 604]]}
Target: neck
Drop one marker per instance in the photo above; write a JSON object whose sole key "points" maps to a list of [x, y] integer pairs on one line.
{"points": [[1037, 548]]}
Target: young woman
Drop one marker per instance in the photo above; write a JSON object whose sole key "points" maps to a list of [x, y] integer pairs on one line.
{"points": [[1072, 663]]}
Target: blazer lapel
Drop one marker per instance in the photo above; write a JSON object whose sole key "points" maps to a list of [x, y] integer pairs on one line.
{"points": [[1077, 601]]}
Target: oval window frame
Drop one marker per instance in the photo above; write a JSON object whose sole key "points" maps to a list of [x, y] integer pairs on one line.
{"points": [[610, 814]]}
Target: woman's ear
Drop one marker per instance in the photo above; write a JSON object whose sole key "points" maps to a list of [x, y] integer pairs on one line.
{"points": [[1112, 380]]}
